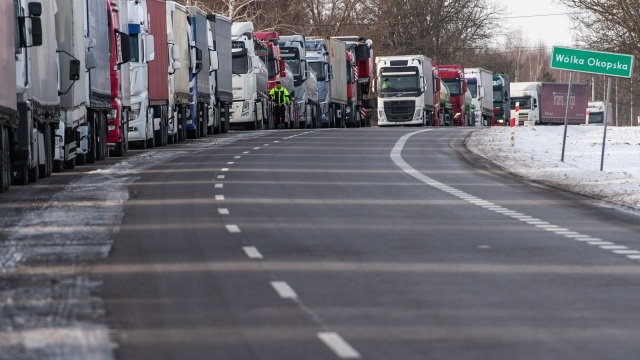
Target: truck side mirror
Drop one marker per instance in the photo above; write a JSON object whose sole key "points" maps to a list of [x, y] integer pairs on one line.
{"points": [[150, 50], [36, 31], [481, 93], [535, 104], [213, 61], [74, 70], [90, 60], [35, 9], [176, 65], [330, 77], [175, 52]]}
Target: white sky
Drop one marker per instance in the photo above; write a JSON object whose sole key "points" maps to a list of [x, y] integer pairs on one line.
{"points": [[554, 30]]}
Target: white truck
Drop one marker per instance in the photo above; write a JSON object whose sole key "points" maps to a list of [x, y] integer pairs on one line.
{"points": [[221, 77], [141, 120], [179, 37], [405, 87], [480, 85], [339, 95], [250, 78], [37, 92], [527, 96], [305, 84], [317, 55], [596, 111]]}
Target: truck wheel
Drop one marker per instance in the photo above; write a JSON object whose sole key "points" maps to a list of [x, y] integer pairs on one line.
{"points": [[225, 124], [118, 149], [34, 172], [5, 160]]}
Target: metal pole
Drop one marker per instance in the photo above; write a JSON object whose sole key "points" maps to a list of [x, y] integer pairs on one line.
{"points": [[606, 120], [617, 114], [566, 117], [631, 122]]}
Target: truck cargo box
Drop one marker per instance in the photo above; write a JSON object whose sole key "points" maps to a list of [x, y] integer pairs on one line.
{"points": [[181, 38], [8, 97], [222, 45], [159, 67], [98, 43], [199, 24], [553, 98], [338, 60], [44, 85], [70, 36]]}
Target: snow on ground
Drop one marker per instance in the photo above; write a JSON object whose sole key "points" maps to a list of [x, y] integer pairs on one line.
{"points": [[537, 152]]}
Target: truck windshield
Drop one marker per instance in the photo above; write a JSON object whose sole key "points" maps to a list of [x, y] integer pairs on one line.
{"points": [[454, 87], [596, 118], [135, 51], [497, 95], [294, 65], [473, 89], [398, 80], [525, 103], [318, 67], [240, 64]]}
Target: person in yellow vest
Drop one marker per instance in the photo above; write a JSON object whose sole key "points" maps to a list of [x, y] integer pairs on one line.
{"points": [[280, 97]]}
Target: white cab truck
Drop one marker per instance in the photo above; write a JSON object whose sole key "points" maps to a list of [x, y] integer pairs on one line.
{"points": [[527, 95], [141, 120], [37, 91], [480, 86], [596, 111], [305, 84], [405, 87], [203, 120], [250, 78]]}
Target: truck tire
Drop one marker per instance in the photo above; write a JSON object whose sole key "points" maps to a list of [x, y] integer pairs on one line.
{"points": [[225, 125], [5, 160], [90, 157], [34, 172]]}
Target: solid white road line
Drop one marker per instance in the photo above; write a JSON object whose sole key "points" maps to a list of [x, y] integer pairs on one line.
{"points": [[223, 211], [396, 156], [233, 228], [252, 252], [339, 346], [219, 197], [284, 290]]}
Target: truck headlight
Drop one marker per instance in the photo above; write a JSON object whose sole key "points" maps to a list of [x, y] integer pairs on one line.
{"points": [[245, 107], [112, 114], [133, 115], [381, 115], [417, 115], [111, 127]]}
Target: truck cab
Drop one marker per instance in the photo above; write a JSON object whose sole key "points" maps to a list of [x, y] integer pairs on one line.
{"points": [[317, 55], [406, 90], [527, 96], [250, 77], [596, 111], [501, 100], [362, 49], [453, 76], [292, 49]]}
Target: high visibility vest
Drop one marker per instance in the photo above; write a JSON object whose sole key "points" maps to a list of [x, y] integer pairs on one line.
{"points": [[279, 96]]}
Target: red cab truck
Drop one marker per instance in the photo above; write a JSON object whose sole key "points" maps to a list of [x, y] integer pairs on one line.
{"points": [[453, 77]]}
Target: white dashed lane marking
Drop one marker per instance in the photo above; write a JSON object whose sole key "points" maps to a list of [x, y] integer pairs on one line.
{"points": [[219, 197], [233, 228], [223, 211], [284, 290], [237, 157], [221, 176], [230, 163], [339, 346], [219, 186], [396, 156], [252, 252], [224, 169], [245, 152]]}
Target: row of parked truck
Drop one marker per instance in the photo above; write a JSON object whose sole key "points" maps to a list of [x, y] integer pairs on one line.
{"points": [[95, 76], [415, 90]]}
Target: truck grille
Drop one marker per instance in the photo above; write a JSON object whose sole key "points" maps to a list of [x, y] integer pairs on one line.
{"points": [[523, 118], [399, 111]]}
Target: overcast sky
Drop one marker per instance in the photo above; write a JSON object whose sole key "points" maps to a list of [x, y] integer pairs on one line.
{"points": [[554, 30]]}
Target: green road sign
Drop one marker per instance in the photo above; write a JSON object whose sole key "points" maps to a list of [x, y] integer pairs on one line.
{"points": [[594, 62]]}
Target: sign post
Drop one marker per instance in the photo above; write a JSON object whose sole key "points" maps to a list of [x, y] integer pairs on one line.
{"points": [[592, 62]]}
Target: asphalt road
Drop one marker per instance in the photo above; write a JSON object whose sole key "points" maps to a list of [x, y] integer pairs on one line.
{"points": [[366, 243]]}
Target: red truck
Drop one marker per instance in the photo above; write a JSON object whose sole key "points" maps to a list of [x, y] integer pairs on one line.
{"points": [[276, 66], [362, 49], [160, 67], [453, 77], [117, 126]]}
